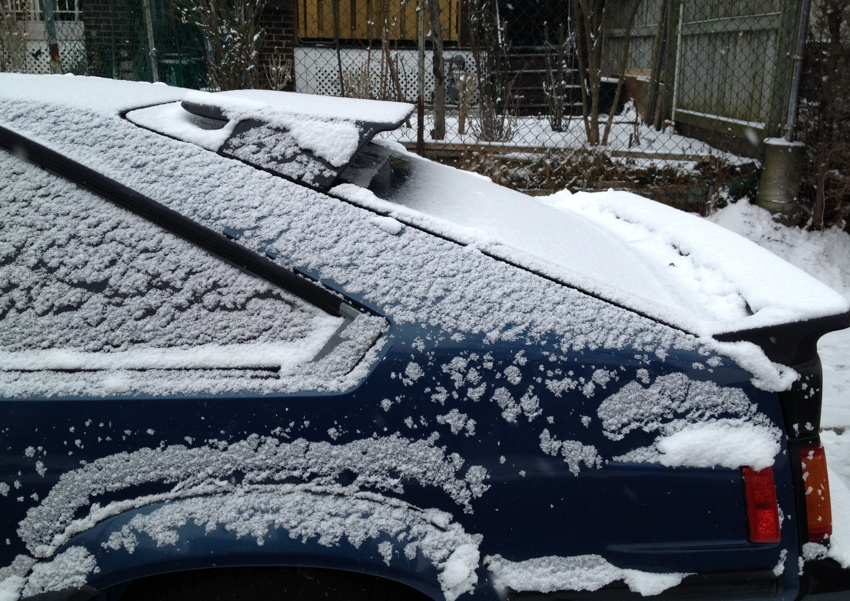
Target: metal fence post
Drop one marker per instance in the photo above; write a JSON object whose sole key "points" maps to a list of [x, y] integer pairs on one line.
{"points": [[799, 50], [671, 61], [151, 44], [783, 65], [49, 8]]}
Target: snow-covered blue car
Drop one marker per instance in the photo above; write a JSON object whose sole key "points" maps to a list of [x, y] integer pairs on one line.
{"points": [[252, 348]]}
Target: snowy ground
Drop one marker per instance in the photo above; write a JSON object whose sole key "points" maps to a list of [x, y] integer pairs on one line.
{"points": [[826, 256], [536, 132]]}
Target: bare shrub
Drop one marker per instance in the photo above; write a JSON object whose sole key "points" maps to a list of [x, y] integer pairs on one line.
{"points": [[490, 51], [278, 72], [697, 189], [13, 37], [232, 40], [594, 21], [357, 80], [824, 121], [557, 86]]}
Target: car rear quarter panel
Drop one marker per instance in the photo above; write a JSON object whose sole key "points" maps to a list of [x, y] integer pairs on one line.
{"points": [[485, 409]]}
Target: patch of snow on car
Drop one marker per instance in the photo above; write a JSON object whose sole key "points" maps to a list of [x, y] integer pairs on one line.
{"points": [[379, 464], [580, 573], [389, 225], [11, 587], [525, 231], [458, 422], [334, 141], [97, 290], [268, 106], [767, 375], [573, 452], [66, 570], [107, 97], [740, 285], [172, 120], [694, 419], [281, 151], [458, 571], [412, 373], [327, 519], [13, 577], [725, 443]]}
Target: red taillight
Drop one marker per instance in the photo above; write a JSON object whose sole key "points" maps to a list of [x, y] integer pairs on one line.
{"points": [[762, 508], [816, 485]]}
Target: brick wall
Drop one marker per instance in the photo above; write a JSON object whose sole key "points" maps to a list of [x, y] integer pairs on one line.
{"points": [[116, 42], [278, 21], [111, 38]]}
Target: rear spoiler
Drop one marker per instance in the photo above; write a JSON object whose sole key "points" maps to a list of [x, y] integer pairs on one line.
{"points": [[791, 343], [320, 173], [795, 345]]}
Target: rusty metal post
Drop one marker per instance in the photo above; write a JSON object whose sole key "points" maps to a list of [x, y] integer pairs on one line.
{"points": [[420, 126], [151, 43], [49, 7]]}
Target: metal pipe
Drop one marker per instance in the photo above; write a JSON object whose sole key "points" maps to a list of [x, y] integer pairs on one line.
{"points": [[678, 67], [420, 126], [420, 38], [335, 9], [794, 97], [49, 8], [151, 44]]}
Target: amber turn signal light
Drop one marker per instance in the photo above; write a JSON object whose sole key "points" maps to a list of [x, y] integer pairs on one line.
{"points": [[816, 484]]}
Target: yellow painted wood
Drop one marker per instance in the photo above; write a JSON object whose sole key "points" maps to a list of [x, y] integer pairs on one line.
{"points": [[367, 19]]}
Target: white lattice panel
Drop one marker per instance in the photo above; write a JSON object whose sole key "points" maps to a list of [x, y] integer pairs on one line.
{"points": [[317, 71]]}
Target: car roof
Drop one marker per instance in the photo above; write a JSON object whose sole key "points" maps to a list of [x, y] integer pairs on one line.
{"points": [[592, 254]]}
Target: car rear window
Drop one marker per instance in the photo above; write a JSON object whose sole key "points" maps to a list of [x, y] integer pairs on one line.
{"points": [[308, 139], [98, 301]]}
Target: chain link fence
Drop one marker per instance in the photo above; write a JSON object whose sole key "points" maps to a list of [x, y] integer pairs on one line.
{"points": [[669, 97]]}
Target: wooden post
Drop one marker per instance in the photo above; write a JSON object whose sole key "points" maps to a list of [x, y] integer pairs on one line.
{"points": [[439, 131], [420, 127]]}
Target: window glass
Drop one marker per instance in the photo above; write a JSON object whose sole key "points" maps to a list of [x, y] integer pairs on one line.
{"points": [[89, 288]]}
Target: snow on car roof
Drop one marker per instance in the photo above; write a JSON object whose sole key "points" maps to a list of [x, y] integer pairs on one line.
{"points": [[267, 106], [411, 275], [734, 282], [633, 251], [281, 131], [102, 96], [129, 304], [671, 265]]}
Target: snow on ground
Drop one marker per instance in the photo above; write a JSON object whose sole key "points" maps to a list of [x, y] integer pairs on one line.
{"points": [[826, 256], [535, 132]]}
